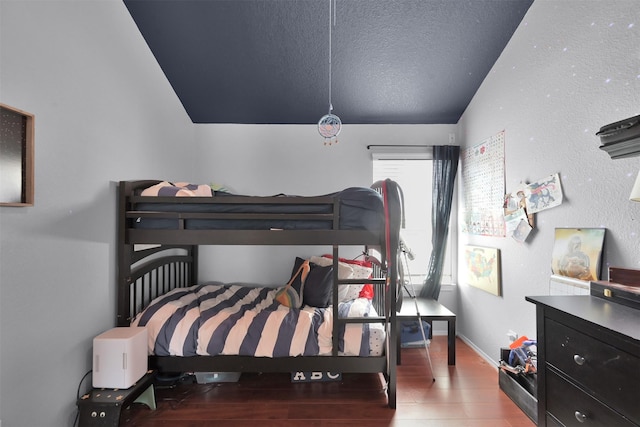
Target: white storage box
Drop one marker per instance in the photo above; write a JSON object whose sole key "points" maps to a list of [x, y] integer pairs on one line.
{"points": [[119, 357]]}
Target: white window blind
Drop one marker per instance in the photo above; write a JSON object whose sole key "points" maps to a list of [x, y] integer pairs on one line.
{"points": [[414, 175]]}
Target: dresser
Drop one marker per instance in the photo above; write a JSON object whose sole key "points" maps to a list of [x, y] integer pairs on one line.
{"points": [[588, 361]]}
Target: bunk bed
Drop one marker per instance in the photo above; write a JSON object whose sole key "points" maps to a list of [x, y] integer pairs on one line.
{"points": [[158, 240]]}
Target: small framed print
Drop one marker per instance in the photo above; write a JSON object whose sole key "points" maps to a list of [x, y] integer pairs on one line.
{"points": [[577, 253], [483, 268]]}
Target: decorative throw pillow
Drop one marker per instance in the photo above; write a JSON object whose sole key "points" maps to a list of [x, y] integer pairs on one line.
{"points": [[318, 288], [291, 294], [361, 270], [344, 272], [344, 269]]}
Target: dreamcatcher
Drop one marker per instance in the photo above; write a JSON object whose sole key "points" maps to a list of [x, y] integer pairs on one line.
{"points": [[329, 125]]}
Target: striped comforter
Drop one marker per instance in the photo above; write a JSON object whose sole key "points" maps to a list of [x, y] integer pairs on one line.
{"points": [[237, 319]]}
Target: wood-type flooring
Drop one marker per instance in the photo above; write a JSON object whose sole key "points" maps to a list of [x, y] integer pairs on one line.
{"points": [[466, 394]]}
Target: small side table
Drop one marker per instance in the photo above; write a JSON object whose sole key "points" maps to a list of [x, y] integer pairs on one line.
{"points": [[430, 310], [102, 406]]}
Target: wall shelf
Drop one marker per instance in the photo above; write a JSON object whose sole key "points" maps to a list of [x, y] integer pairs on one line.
{"points": [[621, 139]]}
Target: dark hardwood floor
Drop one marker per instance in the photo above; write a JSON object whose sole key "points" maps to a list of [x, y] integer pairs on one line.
{"points": [[463, 395]]}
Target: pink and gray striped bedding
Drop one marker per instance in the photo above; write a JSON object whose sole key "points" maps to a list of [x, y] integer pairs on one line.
{"points": [[237, 319], [178, 189]]}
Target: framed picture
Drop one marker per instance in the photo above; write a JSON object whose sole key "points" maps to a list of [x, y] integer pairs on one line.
{"points": [[577, 253], [483, 268], [16, 157]]}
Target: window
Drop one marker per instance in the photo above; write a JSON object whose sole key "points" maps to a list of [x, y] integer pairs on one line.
{"points": [[415, 178]]}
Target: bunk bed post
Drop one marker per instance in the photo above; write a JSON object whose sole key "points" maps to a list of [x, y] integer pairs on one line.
{"points": [[394, 219], [393, 335], [336, 287], [334, 305], [124, 257], [193, 273]]}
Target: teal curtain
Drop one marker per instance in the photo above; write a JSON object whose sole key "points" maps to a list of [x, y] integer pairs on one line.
{"points": [[445, 167]]}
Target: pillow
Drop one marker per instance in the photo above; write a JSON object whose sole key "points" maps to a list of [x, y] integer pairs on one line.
{"points": [[360, 270], [219, 188], [291, 294], [363, 270], [318, 288], [344, 272]]}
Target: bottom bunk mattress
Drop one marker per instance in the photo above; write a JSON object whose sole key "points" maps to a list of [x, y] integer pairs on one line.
{"points": [[238, 319]]}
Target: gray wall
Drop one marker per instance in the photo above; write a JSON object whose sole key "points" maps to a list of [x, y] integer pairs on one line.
{"points": [[103, 112], [570, 68], [84, 70], [291, 159], [272, 159]]}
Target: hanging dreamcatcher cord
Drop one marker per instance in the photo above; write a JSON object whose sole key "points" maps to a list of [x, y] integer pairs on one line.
{"points": [[329, 125], [332, 22]]}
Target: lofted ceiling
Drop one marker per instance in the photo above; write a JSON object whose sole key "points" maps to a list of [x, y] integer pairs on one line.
{"points": [[267, 61]]}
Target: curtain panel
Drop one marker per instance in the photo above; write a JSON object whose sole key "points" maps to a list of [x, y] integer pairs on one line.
{"points": [[445, 167]]}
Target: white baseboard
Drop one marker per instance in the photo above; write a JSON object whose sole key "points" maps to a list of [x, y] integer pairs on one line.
{"points": [[493, 362]]}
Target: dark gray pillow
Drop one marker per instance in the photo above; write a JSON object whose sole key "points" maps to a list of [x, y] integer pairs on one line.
{"points": [[318, 288]]}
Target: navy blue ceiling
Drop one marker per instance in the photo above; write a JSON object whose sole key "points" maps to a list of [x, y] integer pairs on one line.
{"points": [[267, 61]]}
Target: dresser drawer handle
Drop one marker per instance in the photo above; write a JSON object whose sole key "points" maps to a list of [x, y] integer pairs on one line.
{"points": [[580, 417], [579, 360]]}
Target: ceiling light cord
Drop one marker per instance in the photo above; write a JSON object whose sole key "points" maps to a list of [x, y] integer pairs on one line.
{"points": [[332, 23], [330, 125]]}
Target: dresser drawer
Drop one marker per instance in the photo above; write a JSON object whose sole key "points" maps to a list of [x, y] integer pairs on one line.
{"points": [[572, 407], [611, 375]]}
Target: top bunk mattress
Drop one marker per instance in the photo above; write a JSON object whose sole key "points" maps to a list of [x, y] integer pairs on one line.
{"points": [[357, 208]]}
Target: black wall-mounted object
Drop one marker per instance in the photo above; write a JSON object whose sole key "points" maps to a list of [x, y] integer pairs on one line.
{"points": [[621, 139]]}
